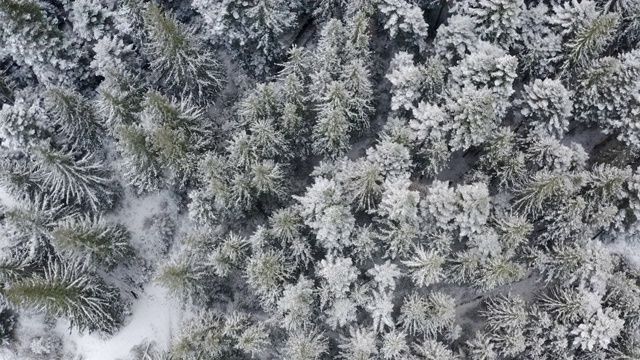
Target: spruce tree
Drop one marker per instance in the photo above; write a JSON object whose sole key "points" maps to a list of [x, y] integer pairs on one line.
{"points": [[74, 117], [71, 291], [93, 239], [71, 180], [180, 58]]}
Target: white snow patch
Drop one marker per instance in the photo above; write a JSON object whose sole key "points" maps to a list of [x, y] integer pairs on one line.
{"points": [[156, 318], [6, 199]]}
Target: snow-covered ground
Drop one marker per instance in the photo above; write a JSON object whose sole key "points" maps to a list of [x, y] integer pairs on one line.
{"points": [[155, 318]]}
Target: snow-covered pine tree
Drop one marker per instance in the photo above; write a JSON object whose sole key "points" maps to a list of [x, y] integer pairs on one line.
{"points": [[93, 240], [310, 345], [267, 272], [204, 336], [23, 123], [548, 104], [253, 31], [360, 344], [331, 132], [540, 47], [180, 58], [434, 350], [473, 115], [406, 17], [174, 132], [18, 178], [425, 267], [73, 179], [120, 97], [92, 19], [69, 290], [395, 345], [297, 305], [496, 21], [142, 168], [74, 117], [430, 124], [31, 36]]}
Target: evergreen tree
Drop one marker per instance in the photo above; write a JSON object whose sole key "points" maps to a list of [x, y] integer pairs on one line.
{"points": [[266, 272], [591, 38], [72, 180], [457, 38], [360, 344], [247, 26], [549, 105], [203, 336], [331, 132], [142, 167], [69, 290], [406, 17], [306, 346], [496, 20], [120, 97], [296, 304], [425, 267], [94, 240], [473, 118], [180, 58], [22, 124], [394, 345], [31, 36], [74, 116], [434, 350]]}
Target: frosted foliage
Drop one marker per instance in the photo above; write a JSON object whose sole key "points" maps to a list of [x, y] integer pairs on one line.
{"points": [[549, 153], [91, 18], [342, 313], [334, 227], [240, 23], [404, 16], [30, 35], [361, 344], [296, 304], [474, 118], [434, 350], [385, 275], [398, 203], [541, 47], [395, 345], [425, 267], [474, 205], [392, 158], [380, 308], [457, 38], [548, 104], [21, 124], [497, 20], [441, 204], [110, 54], [599, 331], [490, 67], [339, 273], [430, 123], [176, 52], [570, 15], [406, 79], [608, 95], [331, 132], [303, 346], [322, 194]]}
